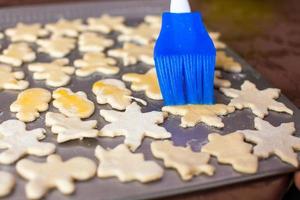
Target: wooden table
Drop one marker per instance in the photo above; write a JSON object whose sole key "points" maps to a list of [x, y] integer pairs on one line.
{"points": [[267, 34]]}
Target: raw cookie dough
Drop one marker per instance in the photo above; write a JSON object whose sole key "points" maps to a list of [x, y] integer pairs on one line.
{"points": [[93, 62], [55, 173], [219, 82], [73, 104], [106, 24], [7, 183], [227, 63], [12, 80], [144, 34], [147, 82], [62, 27], [55, 73], [231, 149], [259, 101], [30, 102], [18, 142], [194, 114], [133, 125], [272, 140], [184, 160], [215, 36], [132, 53], [126, 166], [56, 46], [91, 42], [16, 54], [70, 128], [26, 32], [113, 92]]}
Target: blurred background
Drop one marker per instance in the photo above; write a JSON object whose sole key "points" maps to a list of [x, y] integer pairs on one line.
{"points": [[266, 33]]}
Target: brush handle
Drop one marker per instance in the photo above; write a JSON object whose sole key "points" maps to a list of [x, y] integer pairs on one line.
{"points": [[180, 6]]}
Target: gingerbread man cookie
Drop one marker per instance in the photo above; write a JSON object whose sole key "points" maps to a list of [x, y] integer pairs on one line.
{"points": [[62, 27], [7, 183], [30, 102], [259, 101], [18, 142], [55, 73], [93, 62], [145, 82], [127, 166], [134, 125], [16, 54], [26, 32], [12, 80], [55, 173], [91, 42], [73, 104]]}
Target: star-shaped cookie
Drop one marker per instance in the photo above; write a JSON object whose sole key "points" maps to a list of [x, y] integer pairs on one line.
{"points": [[63, 27], [26, 32], [91, 42]]}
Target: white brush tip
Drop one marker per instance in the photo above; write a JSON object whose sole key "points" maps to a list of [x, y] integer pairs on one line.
{"points": [[180, 6]]}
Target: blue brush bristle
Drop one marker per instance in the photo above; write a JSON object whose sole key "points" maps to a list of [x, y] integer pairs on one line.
{"points": [[185, 60]]}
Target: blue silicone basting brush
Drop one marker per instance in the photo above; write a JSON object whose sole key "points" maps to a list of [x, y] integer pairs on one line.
{"points": [[185, 57]]}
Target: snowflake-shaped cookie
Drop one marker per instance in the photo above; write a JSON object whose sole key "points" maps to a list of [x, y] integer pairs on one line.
{"points": [[134, 125], [91, 42], [30, 102], [7, 183], [70, 128], [227, 63], [194, 114], [184, 160], [16, 54], [231, 149], [132, 53], [19, 142], [127, 166], [145, 82], [259, 101], [219, 82], [55, 73], [55, 173], [144, 34], [106, 24], [62, 27], [12, 80], [93, 62], [57, 46], [26, 32], [274, 140], [73, 104]]}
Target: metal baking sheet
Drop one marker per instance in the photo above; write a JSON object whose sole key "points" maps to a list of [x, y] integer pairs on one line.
{"points": [[171, 184]]}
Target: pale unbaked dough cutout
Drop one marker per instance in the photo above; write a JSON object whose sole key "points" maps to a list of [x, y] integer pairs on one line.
{"points": [[18, 142], [56, 73], [93, 62], [10, 80], [272, 140], [145, 82], [231, 149], [70, 128], [26, 32], [132, 53], [16, 54], [63, 27], [215, 36], [55, 173], [126, 166], [56, 46], [227, 63], [91, 42], [133, 125], [30, 102], [115, 93], [73, 104], [259, 101], [7, 183], [106, 24], [194, 114], [186, 162], [220, 82]]}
